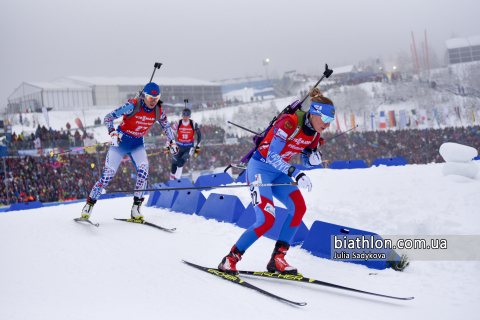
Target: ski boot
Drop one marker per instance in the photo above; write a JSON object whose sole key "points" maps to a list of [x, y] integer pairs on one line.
{"points": [[229, 262], [277, 263], [87, 209], [136, 213]]}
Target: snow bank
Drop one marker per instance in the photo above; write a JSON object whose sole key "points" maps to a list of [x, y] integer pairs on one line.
{"points": [[455, 152], [459, 160]]}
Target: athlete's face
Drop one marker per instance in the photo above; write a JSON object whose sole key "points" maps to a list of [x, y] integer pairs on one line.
{"points": [[317, 123], [185, 118], [150, 103]]}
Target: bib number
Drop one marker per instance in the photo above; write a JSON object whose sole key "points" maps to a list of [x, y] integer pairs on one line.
{"points": [[255, 194]]}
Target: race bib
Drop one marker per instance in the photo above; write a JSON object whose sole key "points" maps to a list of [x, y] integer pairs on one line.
{"points": [[255, 194]]}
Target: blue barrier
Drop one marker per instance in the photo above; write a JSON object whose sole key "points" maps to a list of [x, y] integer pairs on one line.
{"points": [[166, 199], [213, 180], [319, 243], [111, 196], [179, 183], [54, 204], [25, 206], [242, 178], [189, 201], [389, 162], [348, 164], [248, 218], [476, 158], [154, 195], [222, 207]]}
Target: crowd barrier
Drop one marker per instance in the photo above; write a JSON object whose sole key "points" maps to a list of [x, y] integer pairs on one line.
{"points": [[154, 195], [389, 162], [189, 202], [319, 242], [179, 183], [111, 196], [25, 206], [348, 164], [216, 179], [166, 199], [222, 207]]}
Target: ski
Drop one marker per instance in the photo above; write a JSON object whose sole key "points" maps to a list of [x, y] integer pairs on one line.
{"points": [[86, 220], [300, 278], [140, 221], [236, 279]]}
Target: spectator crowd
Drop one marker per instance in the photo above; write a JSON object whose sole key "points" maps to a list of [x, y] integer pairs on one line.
{"points": [[71, 176], [45, 138]]}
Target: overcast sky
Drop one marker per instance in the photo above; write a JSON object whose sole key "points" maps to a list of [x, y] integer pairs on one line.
{"points": [[212, 40]]}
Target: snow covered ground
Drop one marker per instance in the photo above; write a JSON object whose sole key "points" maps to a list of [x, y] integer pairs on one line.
{"points": [[54, 268]]}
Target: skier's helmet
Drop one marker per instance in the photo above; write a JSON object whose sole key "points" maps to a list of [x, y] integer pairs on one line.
{"points": [[151, 90]]}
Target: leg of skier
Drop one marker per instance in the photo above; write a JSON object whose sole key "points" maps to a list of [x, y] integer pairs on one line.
{"points": [[139, 159], [177, 162], [114, 157], [183, 158], [264, 211], [292, 198]]}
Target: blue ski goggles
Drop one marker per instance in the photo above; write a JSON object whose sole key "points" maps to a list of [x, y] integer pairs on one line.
{"points": [[187, 113], [325, 111]]}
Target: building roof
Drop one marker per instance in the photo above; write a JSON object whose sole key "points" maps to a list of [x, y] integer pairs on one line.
{"points": [[59, 86], [345, 69], [457, 43], [463, 42], [474, 41], [136, 81]]}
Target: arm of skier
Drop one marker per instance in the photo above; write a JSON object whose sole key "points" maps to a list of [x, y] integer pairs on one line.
{"points": [[199, 134], [312, 151], [282, 131], [124, 110], [166, 126]]}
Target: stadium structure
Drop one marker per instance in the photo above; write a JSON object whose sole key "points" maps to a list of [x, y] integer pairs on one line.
{"points": [[84, 92]]}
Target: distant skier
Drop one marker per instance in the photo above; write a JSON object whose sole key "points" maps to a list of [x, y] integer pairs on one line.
{"points": [[290, 135], [185, 128], [138, 116]]}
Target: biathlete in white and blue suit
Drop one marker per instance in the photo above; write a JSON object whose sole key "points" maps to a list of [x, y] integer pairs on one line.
{"points": [[290, 135], [138, 116]]}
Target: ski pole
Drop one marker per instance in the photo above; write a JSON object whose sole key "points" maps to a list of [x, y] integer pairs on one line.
{"points": [[73, 150], [342, 133], [213, 187], [236, 125]]}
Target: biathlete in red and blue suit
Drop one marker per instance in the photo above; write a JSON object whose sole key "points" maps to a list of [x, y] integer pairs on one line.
{"points": [[290, 135], [138, 116], [185, 129]]}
